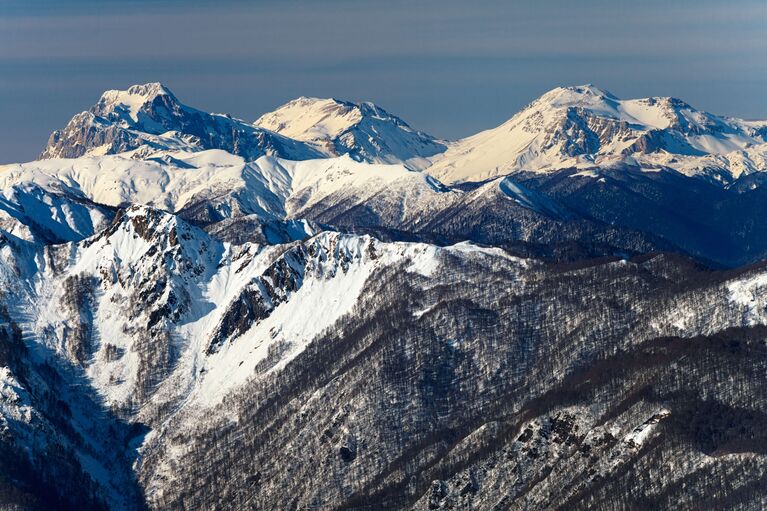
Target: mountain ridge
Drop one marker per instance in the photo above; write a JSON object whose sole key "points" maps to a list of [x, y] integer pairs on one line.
{"points": [[577, 126], [584, 126], [150, 117]]}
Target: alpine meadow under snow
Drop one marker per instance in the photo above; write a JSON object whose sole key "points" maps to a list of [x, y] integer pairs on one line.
{"points": [[329, 309]]}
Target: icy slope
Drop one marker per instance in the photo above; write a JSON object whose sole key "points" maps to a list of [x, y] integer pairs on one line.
{"points": [[34, 212]]}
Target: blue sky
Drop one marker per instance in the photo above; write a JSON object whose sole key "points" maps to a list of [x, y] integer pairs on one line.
{"points": [[447, 67]]}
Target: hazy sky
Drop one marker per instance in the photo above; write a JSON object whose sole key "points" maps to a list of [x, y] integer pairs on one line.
{"points": [[447, 67]]}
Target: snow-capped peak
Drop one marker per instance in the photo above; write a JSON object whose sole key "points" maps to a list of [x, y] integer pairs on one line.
{"points": [[576, 94], [364, 130], [150, 116], [143, 235], [132, 99], [645, 113], [311, 119], [586, 126]]}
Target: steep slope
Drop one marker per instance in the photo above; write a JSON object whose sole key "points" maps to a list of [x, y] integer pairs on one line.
{"points": [[150, 117], [165, 301], [584, 126], [60, 447], [365, 131], [483, 381]]}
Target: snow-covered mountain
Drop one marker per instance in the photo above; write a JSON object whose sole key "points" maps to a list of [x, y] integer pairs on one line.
{"points": [[201, 313], [365, 131], [584, 126], [151, 118], [580, 126]]}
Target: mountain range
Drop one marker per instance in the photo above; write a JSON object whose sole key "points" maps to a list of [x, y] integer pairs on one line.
{"points": [[326, 308]]}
